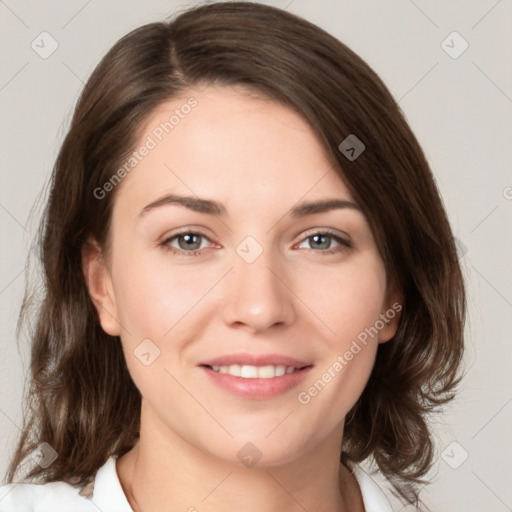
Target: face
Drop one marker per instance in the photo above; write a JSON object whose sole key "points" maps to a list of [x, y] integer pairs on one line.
{"points": [[244, 316]]}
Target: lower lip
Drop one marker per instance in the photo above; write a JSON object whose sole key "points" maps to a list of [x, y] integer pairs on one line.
{"points": [[257, 388]]}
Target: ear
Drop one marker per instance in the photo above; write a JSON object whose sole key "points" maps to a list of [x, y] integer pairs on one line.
{"points": [[390, 315], [99, 284]]}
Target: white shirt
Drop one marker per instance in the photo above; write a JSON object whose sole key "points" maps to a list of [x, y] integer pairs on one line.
{"points": [[107, 495]]}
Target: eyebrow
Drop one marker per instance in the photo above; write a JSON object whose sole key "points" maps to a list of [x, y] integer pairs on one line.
{"points": [[211, 207]]}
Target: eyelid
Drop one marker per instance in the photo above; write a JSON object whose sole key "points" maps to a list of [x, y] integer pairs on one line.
{"points": [[326, 231], [189, 230]]}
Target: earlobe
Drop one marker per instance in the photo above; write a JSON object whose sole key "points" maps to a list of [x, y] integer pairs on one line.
{"points": [[99, 285]]}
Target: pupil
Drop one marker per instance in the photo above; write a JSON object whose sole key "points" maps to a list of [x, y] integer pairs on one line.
{"points": [[325, 244], [189, 238]]}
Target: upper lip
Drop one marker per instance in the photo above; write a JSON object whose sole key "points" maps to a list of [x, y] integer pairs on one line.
{"points": [[255, 360]]}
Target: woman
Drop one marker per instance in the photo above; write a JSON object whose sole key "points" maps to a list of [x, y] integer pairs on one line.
{"points": [[251, 284]]}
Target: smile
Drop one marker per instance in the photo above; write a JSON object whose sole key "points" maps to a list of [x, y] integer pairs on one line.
{"points": [[255, 372], [256, 377]]}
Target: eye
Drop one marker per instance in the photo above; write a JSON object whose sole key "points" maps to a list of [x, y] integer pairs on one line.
{"points": [[189, 243], [323, 240]]}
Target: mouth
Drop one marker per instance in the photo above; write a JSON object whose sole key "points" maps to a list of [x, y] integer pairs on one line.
{"points": [[254, 372], [256, 376]]}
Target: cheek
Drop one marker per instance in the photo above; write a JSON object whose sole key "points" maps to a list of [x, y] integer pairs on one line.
{"points": [[346, 300], [152, 298], [156, 302]]}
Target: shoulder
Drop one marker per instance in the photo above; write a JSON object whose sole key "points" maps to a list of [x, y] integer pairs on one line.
{"points": [[48, 497], [374, 498], [103, 493]]}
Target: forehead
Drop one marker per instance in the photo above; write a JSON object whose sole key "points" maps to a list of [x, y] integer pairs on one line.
{"points": [[229, 144]]}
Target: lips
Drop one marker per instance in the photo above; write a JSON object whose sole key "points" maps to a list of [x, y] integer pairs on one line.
{"points": [[256, 376]]}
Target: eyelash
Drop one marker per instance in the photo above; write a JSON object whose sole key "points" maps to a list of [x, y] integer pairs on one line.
{"points": [[343, 244]]}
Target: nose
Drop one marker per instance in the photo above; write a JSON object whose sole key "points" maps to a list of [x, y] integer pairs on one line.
{"points": [[258, 295]]}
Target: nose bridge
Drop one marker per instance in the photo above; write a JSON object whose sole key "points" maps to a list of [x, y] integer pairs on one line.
{"points": [[255, 294]]}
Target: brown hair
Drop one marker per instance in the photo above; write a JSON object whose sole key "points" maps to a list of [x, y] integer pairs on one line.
{"points": [[82, 400]]}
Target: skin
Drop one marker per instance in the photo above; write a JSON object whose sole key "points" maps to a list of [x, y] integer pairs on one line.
{"points": [[259, 159]]}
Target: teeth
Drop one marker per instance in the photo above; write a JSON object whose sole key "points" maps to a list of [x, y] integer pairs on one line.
{"points": [[234, 369], [255, 372], [267, 372], [281, 370], [248, 372]]}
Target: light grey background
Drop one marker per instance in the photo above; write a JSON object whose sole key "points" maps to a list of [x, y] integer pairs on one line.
{"points": [[460, 109]]}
